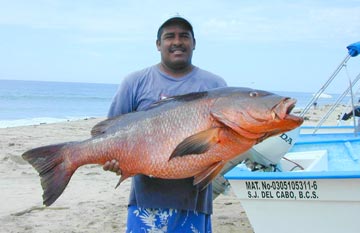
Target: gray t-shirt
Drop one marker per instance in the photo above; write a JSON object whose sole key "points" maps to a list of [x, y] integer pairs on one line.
{"points": [[137, 92]]}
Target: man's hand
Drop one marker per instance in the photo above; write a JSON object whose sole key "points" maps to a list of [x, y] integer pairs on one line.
{"points": [[112, 166]]}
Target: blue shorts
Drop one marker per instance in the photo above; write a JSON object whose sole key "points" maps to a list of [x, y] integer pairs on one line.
{"points": [[143, 220]]}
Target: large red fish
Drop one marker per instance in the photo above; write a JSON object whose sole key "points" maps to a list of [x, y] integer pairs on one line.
{"points": [[192, 135]]}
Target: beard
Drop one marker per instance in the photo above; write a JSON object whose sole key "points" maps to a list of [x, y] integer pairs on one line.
{"points": [[179, 64]]}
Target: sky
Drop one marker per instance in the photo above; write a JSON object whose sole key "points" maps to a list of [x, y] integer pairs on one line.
{"points": [[279, 45]]}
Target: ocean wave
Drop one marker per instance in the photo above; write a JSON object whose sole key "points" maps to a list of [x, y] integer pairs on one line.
{"points": [[35, 121]]}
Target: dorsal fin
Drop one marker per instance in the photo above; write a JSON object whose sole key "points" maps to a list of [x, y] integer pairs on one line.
{"points": [[180, 98], [114, 123]]}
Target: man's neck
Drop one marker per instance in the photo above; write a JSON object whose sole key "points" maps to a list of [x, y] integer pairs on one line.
{"points": [[176, 73]]}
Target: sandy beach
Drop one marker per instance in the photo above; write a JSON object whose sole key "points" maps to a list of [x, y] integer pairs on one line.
{"points": [[90, 203]]}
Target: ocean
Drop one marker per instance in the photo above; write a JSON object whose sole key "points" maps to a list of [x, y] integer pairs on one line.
{"points": [[37, 102]]}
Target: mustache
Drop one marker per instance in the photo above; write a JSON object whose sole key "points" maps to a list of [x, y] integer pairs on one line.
{"points": [[177, 48]]}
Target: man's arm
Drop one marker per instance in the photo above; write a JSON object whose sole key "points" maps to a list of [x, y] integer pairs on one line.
{"points": [[122, 103]]}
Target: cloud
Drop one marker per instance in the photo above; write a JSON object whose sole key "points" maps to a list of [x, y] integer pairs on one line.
{"points": [[230, 20], [71, 15], [283, 21]]}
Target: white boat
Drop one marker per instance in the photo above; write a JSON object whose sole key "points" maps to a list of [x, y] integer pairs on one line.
{"points": [[324, 196], [323, 96], [314, 188]]}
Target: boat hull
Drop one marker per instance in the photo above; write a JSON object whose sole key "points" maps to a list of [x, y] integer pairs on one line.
{"points": [[313, 202], [322, 198]]}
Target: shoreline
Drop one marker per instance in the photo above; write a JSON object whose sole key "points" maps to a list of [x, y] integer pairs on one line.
{"points": [[90, 203], [41, 121]]}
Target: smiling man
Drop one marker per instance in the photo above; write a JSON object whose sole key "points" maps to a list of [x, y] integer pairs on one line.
{"points": [[176, 43], [157, 204]]}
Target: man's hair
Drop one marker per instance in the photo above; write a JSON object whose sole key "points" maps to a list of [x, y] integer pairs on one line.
{"points": [[175, 21]]}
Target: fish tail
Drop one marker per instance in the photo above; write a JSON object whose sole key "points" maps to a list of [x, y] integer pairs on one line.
{"points": [[54, 170]]}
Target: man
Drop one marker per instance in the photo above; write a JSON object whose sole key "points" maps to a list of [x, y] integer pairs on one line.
{"points": [[355, 111], [158, 204]]}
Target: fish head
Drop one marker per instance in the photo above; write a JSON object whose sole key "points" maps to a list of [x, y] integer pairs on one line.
{"points": [[255, 114]]}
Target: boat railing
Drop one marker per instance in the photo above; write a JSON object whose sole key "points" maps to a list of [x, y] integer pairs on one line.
{"points": [[336, 104], [353, 50], [317, 95]]}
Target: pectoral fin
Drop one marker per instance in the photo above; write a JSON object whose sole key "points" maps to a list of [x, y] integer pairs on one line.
{"points": [[204, 178], [197, 144]]}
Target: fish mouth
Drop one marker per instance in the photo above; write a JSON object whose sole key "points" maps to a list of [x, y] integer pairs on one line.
{"points": [[282, 110]]}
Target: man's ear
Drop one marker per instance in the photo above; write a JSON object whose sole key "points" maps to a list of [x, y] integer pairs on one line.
{"points": [[158, 44], [194, 44]]}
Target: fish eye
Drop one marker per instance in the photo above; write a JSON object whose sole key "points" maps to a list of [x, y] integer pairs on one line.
{"points": [[253, 94]]}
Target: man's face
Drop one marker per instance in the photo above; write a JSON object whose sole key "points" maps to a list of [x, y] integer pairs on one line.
{"points": [[176, 46]]}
